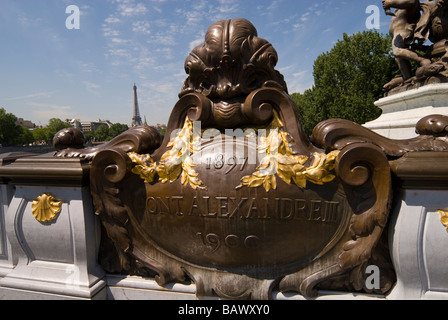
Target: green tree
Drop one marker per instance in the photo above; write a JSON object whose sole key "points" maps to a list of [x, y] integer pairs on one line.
{"points": [[25, 136], [348, 80], [40, 135], [89, 136], [117, 129], [102, 133], [54, 126], [47, 133], [9, 130]]}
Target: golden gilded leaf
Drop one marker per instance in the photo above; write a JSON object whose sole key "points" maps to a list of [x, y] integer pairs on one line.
{"points": [[189, 175], [174, 163], [282, 161], [285, 173], [145, 173], [145, 167], [300, 180]]}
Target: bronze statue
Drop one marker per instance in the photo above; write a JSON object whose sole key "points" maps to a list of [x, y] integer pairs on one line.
{"points": [[414, 23], [196, 206], [402, 28]]}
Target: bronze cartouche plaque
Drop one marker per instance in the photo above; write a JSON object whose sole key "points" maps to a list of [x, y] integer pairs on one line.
{"points": [[242, 228]]}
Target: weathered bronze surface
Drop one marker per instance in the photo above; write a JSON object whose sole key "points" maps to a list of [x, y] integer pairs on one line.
{"points": [[235, 197], [412, 24]]}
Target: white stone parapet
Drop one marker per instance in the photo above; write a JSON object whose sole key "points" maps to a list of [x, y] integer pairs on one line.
{"points": [[402, 111]]}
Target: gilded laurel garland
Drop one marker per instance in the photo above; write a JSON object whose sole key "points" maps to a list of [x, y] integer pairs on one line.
{"points": [[281, 160]]}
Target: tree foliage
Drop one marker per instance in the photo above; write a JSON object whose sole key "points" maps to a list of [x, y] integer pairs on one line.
{"points": [[117, 129], [9, 130], [46, 134], [348, 79], [105, 133], [13, 134]]}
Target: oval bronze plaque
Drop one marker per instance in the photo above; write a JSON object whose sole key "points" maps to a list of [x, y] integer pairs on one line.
{"points": [[223, 227]]}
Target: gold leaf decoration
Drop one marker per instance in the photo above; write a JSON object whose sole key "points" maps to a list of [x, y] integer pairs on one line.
{"points": [[46, 209], [280, 160], [144, 167], [444, 218], [175, 163]]}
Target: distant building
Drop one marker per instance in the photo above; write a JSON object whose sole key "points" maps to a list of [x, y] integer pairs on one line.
{"points": [[161, 128], [26, 123], [89, 126]]}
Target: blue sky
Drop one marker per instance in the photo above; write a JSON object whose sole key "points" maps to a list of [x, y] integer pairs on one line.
{"points": [[48, 71]]}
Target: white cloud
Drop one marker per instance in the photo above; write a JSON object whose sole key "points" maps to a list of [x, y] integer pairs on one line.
{"points": [[129, 10], [112, 19], [157, 9], [300, 74], [166, 52], [109, 32], [304, 16], [228, 9], [119, 40], [193, 44], [162, 39], [299, 81], [27, 21], [119, 53], [47, 111], [88, 67], [84, 10], [33, 96], [141, 27], [91, 87]]}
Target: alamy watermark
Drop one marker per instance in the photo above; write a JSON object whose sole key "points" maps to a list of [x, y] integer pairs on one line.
{"points": [[373, 280], [223, 146], [73, 21], [374, 18]]}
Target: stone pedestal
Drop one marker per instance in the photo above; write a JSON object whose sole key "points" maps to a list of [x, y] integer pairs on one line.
{"points": [[6, 195], [5, 248], [51, 259], [418, 238], [402, 111]]}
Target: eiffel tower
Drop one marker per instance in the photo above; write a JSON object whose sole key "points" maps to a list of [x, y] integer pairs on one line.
{"points": [[136, 119]]}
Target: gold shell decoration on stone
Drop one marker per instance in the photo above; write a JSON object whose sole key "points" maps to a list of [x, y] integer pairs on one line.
{"points": [[444, 217], [46, 209]]}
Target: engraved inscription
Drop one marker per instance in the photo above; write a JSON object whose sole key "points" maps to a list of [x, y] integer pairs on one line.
{"points": [[231, 241], [245, 208], [219, 162], [242, 228]]}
